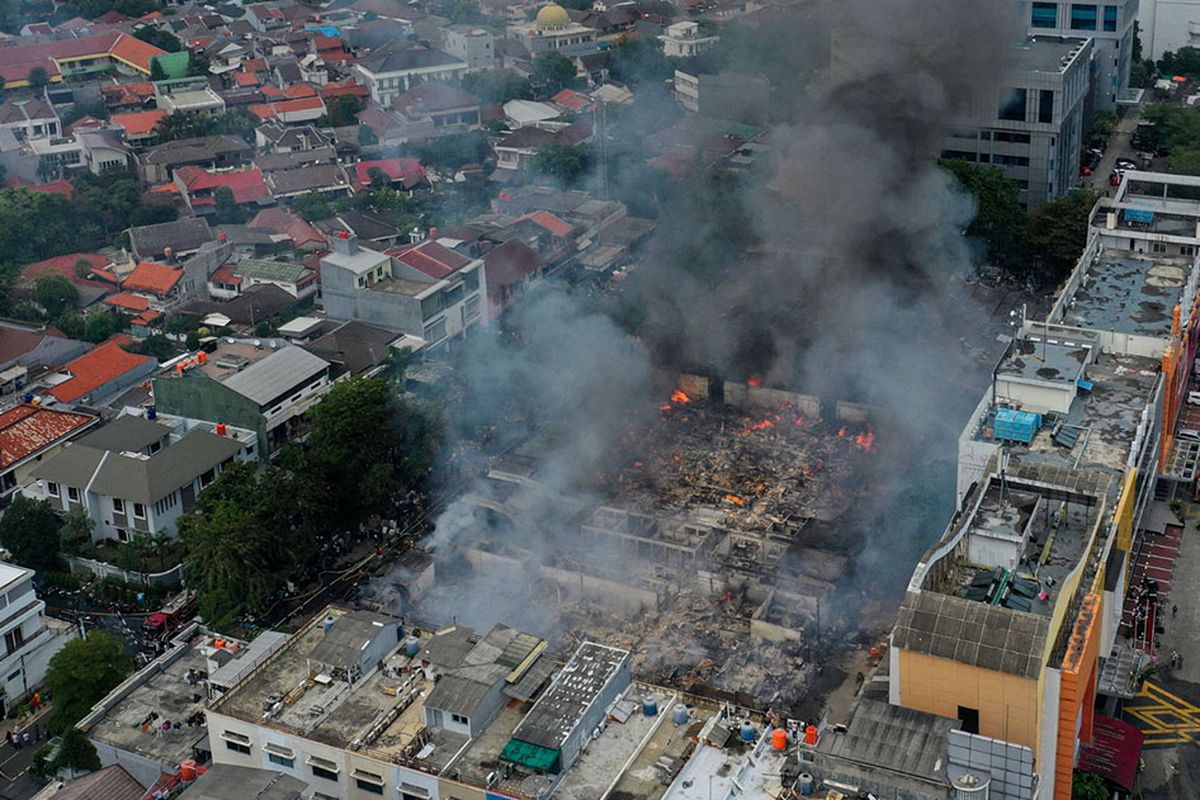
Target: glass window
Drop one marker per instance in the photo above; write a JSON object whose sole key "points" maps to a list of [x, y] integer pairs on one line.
{"points": [[1012, 107], [72, 493], [1083, 17], [472, 280], [1111, 14], [321, 772], [238, 747], [282, 761], [431, 305], [139, 511], [1045, 15], [1046, 105], [436, 332], [367, 786], [118, 505], [52, 489]]}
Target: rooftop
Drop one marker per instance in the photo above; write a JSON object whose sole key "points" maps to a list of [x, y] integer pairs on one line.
{"points": [[1052, 54], [1129, 293], [227, 782], [1059, 362], [103, 365], [28, 429], [157, 279], [559, 710]]}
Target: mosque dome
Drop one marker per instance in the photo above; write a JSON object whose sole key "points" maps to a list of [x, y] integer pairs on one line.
{"points": [[553, 15]]}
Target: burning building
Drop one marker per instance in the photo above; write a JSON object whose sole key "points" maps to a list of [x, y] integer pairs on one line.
{"points": [[722, 518]]}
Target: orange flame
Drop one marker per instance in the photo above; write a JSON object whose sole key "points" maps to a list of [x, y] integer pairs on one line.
{"points": [[754, 380], [758, 426], [865, 441], [760, 488], [665, 407], [842, 432], [678, 396], [737, 501], [801, 422], [637, 465]]}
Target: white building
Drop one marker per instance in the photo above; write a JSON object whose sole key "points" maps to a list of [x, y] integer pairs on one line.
{"points": [[1167, 25], [684, 40], [135, 476], [30, 637], [395, 73]]}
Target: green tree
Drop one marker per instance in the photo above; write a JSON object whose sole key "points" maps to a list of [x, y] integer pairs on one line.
{"points": [[243, 540], [498, 86], [565, 162], [76, 531], [1105, 122], [82, 673], [341, 111], [552, 72], [640, 60], [37, 78], [311, 206], [157, 73], [1085, 786], [29, 530], [156, 345], [228, 211], [459, 11], [162, 39], [1185, 162], [364, 444], [1058, 233], [198, 64], [55, 293], [999, 221], [1184, 61], [99, 326]]}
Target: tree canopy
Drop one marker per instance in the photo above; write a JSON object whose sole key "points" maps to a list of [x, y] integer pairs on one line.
{"points": [[188, 124], [999, 221], [29, 530], [341, 111], [567, 163], [55, 293], [1058, 233], [82, 673], [640, 60], [553, 72], [498, 86]]}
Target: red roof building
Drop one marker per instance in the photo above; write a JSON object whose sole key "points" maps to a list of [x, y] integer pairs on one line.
{"points": [[282, 221], [551, 223], [108, 367], [65, 266], [407, 172], [149, 277], [59, 58], [28, 430], [245, 79], [128, 301], [346, 87], [573, 101], [199, 185], [303, 109], [431, 258], [139, 124]]}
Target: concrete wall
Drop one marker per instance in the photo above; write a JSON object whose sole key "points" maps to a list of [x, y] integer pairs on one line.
{"points": [[623, 598], [1167, 25], [197, 396]]}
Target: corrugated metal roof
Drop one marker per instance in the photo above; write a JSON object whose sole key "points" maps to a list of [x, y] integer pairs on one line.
{"points": [[270, 378]]}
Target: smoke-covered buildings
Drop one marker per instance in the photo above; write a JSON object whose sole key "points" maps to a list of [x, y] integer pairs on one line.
{"points": [[1033, 130]]}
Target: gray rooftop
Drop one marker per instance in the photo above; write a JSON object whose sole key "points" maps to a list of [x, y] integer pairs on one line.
{"points": [[348, 636], [182, 235], [130, 432], [227, 782], [1128, 293], [361, 260], [1046, 53], [1059, 363], [273, 376], [138, 478], [558, 711], [274, 271]]}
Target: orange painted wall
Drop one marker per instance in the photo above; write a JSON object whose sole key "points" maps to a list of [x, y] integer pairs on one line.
{"points": [[1008, 704], [1077, 695]]}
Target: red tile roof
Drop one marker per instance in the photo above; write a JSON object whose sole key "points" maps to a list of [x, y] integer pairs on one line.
{"points": [[347, 87], [26, 429], [149, 276], [225, 274], [280, 220], [245, 79], [266, 111], [59, 186], [128, 301], [254, 65], [327, 43], [135, 52], [139, 123], [65, 266], [552, 223], [103, 365], [247, 185], [300, 90], [572, 100], [431, 258], [405, 170]]}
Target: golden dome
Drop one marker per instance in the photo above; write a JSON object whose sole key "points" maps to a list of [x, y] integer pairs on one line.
{"points": [[553, 15]]}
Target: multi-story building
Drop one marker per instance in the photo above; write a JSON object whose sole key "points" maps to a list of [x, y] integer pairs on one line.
{"points": [[136, 476], [396, 72], [423, 290], [1167, 25], [32, 433], [1034, 130], [685, 40], [262, 386], [1109, 23], [472, 44], [553, 29], [30, 637], [30, 119]]}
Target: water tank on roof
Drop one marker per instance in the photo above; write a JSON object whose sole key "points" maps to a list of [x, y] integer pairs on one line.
{"points": [[412, 646], [746, 732], [327, 623], [679, 714], [650, 705]]}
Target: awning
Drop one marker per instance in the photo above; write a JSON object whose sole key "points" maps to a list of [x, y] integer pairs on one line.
{"points": [[1114, 753]]}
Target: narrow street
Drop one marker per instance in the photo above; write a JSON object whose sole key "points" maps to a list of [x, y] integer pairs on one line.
{"points": [[1119, 146]]}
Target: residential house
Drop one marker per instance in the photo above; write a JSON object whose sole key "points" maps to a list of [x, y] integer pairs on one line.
{"points": [[424, 290], [510, 268], [326, 179], [708, 85], [160, 284], [276, 137], [522, 113], [128, 97], [136, 476], [398, 71], [230, 280], [198, 187], [301, 109], [293, 229], [265, 387], [31, 638], [517, 150], [100, 374], [31, 118], [28, 348], [685, 40], [110, 783], [140, 126], [573, 102], [89, 273], [168, 240], [157, 164], [30, 433], [403, 173], [355, 348], [434, 109], [181, 95]]}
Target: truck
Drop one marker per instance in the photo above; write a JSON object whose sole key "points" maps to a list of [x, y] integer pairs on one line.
{"points": [[179, 610]]}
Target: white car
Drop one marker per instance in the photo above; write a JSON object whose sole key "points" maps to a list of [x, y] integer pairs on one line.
{"points": [[1193, 398]]}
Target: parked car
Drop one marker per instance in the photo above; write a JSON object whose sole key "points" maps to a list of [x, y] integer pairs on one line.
{"points": [[1115, 178], [1125, 163]]}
